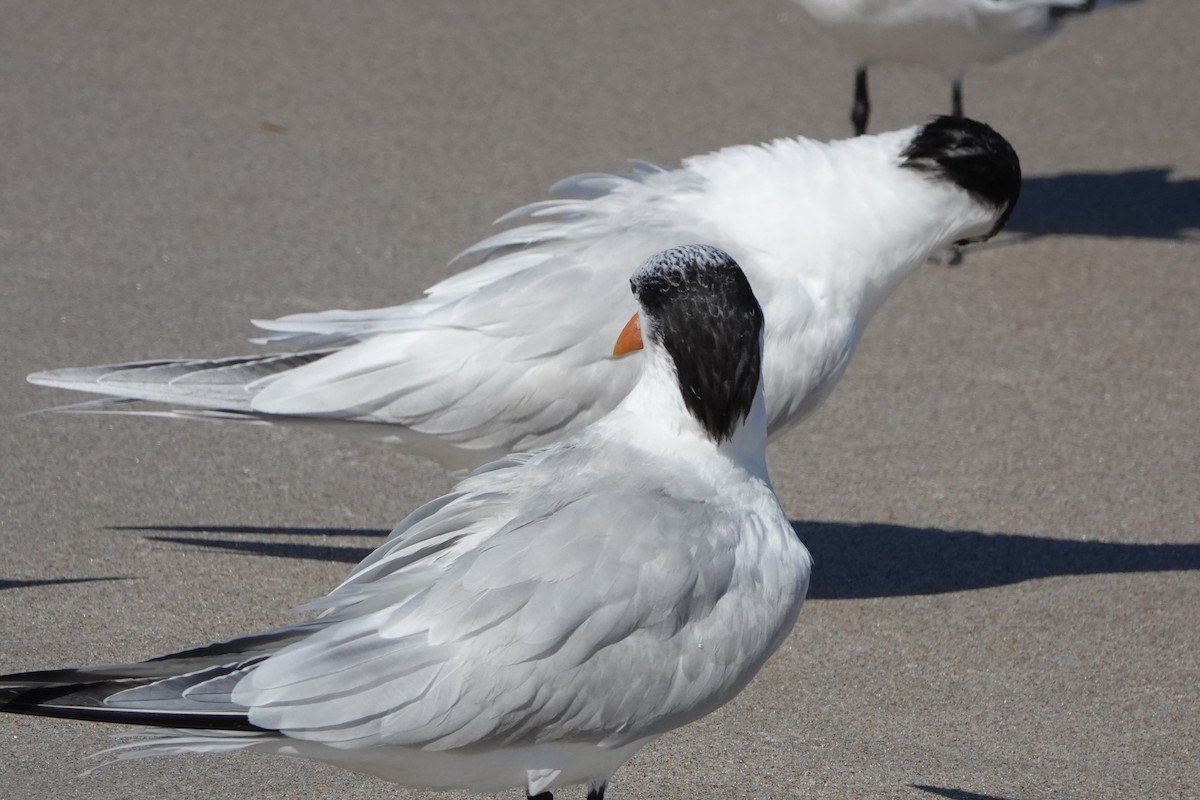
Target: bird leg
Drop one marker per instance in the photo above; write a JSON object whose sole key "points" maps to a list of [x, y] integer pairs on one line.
{"points": [[593, 794], [956, 97], [861, 109]]}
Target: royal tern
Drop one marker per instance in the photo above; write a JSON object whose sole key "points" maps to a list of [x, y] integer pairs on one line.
{"points": [[511, 354], [543, 621], [945, 36]]}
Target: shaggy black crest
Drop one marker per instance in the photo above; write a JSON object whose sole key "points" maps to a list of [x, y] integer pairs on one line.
{"points": [[698, 305], [973, 156]]}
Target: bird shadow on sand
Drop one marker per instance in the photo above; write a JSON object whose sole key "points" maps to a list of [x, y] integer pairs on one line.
{"points": [[852, 561], [1139, 203], [857, 561], [6, 583], [956, 794]]}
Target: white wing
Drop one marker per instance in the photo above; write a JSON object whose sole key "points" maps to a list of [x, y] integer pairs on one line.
{"points": [[509, 354], [516, 352]]}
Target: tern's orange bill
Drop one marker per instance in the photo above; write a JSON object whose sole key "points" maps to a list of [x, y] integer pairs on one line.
{"points": [[630, 338]]}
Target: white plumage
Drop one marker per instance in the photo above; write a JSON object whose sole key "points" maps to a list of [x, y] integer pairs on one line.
{"points": [[945, 36], [543, 621], [516, 352]]}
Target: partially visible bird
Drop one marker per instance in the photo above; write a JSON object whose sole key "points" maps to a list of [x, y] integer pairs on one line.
{"points": [[946, 36], [539, 624], [511, 354]]}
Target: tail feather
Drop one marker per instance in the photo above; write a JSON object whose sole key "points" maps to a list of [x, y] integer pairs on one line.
{"points": [[225, 384], [158, 742]]}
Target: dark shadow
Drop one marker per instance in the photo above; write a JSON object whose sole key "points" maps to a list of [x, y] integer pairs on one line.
{"points": [[313, 552], [1140, 203], [853, 561], [879, 560], [316, 552], [18, 584], [957, 794], [253, 529]]}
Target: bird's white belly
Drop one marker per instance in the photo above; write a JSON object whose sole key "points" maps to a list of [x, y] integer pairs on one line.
{"points": [[942, 38], [483, 770]]}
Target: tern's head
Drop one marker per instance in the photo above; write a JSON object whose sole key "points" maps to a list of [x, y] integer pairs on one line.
{"points": [[697, 308], [972, 156]]}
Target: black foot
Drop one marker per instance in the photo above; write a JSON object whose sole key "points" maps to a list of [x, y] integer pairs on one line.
{"points": [[597, 794], [540, 796], [861, 109]]}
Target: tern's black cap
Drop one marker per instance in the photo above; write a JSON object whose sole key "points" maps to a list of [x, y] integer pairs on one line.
{"points": [[971, 155], [699, 306]]}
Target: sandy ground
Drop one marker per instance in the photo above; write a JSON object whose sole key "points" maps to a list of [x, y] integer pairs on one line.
{"points": [[1003, 496]]}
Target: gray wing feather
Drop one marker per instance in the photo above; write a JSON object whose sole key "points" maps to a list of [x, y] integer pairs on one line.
{"points": [[522, 633]]}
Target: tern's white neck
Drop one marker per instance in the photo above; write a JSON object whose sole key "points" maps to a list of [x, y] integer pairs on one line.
{"points": [[909, 214], [655, 407], [844, 222]]}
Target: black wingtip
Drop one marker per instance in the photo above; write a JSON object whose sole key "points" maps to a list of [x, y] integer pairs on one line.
{"points": [[85, 702], [84, 693], [971, 155]]}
